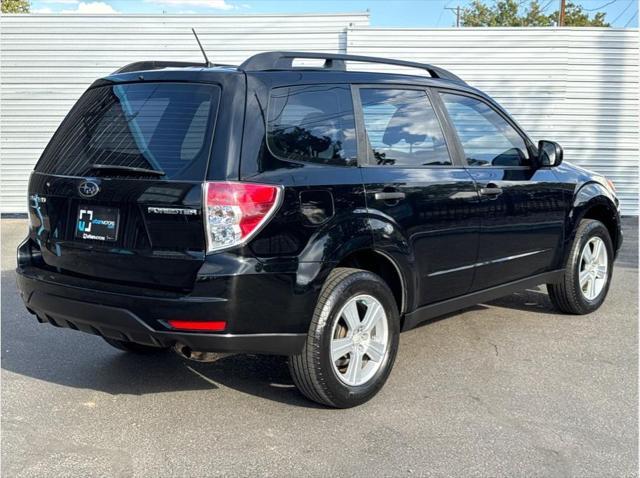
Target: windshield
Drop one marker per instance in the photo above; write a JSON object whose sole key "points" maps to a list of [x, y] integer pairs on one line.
{"points": [[162, 127]]}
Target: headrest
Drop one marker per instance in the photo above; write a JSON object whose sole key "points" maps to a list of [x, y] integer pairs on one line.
{"points": [[399, 129]]}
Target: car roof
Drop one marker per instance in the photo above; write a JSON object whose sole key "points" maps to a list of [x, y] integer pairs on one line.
{"points": [[283, 61], [278, 66], [297, 75]]}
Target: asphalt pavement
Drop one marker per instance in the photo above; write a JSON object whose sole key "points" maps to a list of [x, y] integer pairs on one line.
{"points": [[505, 389]]}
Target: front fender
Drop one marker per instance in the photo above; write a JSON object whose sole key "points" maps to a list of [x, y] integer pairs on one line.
{"points": [[589, 196]]}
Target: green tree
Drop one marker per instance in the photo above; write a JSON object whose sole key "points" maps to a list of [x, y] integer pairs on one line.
{"points": [[511, 13], [15, 6], [534, 16], [575, 16]]}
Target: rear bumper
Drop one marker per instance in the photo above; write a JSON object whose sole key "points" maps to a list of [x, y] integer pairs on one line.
{"points": [[139, 318]]}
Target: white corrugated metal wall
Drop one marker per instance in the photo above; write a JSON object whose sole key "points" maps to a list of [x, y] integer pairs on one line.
{"points": [[579, 87]]}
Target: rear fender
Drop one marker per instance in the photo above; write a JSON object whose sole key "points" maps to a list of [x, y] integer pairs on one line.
{"points": [[340, 240]]}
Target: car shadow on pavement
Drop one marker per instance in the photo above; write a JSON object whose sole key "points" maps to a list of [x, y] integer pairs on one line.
{"points": [[73, 359], [264, 376], [528, 300], [78, 360]]}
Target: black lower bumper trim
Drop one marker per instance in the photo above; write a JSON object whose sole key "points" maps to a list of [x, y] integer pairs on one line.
{"points": [[122, 324]]}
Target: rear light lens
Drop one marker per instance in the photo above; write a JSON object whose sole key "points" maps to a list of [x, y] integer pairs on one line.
{"points": [[235, 212], [203, 326]]}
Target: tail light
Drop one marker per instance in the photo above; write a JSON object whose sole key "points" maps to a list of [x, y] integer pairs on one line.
{"points": [[235, 212]]}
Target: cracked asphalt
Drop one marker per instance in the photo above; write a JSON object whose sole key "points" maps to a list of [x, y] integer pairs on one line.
{"points": [[508, 388]]}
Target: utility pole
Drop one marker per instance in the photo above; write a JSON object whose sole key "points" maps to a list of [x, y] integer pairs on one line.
{"points": [[561, 14], [457, 10]]}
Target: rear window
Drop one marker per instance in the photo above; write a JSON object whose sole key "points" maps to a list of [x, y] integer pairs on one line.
{"points": [[159, 126], [313, 123]]}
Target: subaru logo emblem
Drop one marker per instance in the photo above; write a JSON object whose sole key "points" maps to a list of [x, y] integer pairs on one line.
{"points": [[88, 189]]}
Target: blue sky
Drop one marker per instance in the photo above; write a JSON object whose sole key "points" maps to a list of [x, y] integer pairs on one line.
{"points": [[399, 13]]}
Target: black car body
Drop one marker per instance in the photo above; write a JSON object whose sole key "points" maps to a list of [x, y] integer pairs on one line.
{"points": [[443, 234]]}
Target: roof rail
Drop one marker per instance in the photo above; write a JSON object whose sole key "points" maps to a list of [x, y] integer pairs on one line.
{"points": [[283, 60]]}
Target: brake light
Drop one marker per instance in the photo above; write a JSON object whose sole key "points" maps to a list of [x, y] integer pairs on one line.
{"points": [[235, 212], [209, 326]]}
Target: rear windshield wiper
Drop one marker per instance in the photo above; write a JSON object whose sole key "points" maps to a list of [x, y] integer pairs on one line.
{"points": [[126, 169]]}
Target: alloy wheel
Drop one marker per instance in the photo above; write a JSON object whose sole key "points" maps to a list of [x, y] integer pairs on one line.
{"points": [[593, 271], [360, 340]]}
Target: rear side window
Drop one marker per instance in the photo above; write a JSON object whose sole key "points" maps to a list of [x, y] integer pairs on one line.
{"points": [[486, 137], [402, 128], [312, 123], [160, 126]]}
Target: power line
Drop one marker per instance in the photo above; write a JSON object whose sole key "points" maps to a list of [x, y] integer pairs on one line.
{"points": [[601, 6], [547, 5], [631, 19], [622, 12], [446, 3]]}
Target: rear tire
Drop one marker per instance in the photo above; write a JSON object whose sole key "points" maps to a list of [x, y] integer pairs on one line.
{"points": [[352, 340], [133, 347], [590, 259]]}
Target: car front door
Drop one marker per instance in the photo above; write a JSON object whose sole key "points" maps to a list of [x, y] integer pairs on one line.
{"points": [[423, 204], [522, 206]]}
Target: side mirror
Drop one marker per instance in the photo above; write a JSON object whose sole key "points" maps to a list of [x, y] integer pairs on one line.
{"points": [[549, 153]]}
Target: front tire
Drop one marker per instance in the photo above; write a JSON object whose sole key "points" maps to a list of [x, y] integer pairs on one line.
{"points": [[588, 271], [352, 341]]}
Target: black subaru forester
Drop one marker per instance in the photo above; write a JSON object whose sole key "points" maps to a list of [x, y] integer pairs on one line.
{"points": [[311, 211]]}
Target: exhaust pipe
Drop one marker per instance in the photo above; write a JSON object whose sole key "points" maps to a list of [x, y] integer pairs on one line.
{"points": [[185, 352]]}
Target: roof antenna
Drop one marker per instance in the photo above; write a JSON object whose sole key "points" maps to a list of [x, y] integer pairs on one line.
{"points": [[206, 60]]}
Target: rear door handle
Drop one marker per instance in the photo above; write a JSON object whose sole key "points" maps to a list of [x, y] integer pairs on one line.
{"points": [[491, 190], [390, 196]]}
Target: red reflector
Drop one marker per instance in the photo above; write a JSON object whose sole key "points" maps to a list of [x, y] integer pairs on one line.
{"points": [[211, 326]]}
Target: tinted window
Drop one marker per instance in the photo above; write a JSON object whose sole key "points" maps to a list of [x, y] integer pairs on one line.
{"points": [[487, 138], [160, 126], [312, 123], [402, 128]]}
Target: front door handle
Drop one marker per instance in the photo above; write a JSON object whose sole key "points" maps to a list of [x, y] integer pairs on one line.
{"points": [[390, 195], [491, 190]]}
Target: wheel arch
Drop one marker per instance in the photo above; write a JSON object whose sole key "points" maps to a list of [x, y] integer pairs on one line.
{"points": [[383, 265], [594, 201], [351, 244]]}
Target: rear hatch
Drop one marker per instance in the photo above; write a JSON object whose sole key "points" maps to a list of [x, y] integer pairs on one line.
{"points": [[117, 193]]}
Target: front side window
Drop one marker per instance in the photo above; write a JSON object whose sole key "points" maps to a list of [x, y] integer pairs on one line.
{"points": [[486, 137], [402, 128], [313, 123], [165, 127]]}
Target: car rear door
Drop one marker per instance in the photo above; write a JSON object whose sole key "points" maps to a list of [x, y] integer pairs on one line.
{"points": [[423, 203], [522, 207]]}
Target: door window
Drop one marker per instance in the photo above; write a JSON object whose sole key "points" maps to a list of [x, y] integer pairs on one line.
{"points": [[486, 137], [402, 128]]}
